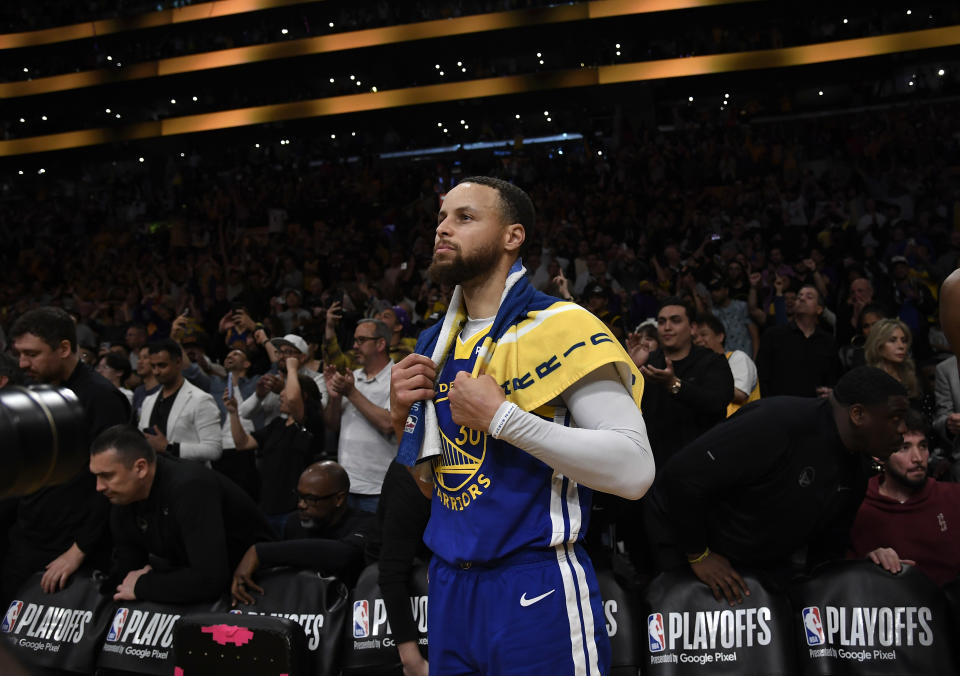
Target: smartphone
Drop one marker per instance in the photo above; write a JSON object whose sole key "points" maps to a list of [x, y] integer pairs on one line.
{"points": [[186, 312], [230, 385], [147, 430]]}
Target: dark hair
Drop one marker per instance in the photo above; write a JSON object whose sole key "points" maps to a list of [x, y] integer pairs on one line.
{"points": [[11, 369], [677, 300], [815, 290], [51, 324], [515, 204], [308, 387], [127, 441], [872, 308], [118, 363], [380, 330], [166, 345], [649, 331], [867, 385], [915, 422], [712, 323]]}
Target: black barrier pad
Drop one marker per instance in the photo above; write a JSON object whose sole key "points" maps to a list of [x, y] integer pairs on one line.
{"points": [[62, 630], [139, 636], [620, 615], [318, 604], [690, 632], [241, 645], [369, 647], [853, 617]]}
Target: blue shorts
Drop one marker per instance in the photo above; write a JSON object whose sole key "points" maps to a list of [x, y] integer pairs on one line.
{"points": [[539, 612]]}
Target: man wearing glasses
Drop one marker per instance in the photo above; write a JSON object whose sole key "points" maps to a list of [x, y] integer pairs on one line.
{"points": [[325, 534], [360, 407]]}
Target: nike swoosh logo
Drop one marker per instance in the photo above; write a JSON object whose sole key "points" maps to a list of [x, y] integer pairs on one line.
{"points": [[524, 601]]}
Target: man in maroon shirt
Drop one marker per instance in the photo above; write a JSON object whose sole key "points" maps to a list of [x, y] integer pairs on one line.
{"points": [[907, 517]]}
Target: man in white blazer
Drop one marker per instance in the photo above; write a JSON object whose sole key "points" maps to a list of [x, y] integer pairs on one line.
{"points": [[180, 418]]}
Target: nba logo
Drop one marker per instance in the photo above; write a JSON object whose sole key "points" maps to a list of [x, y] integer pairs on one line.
{"points": [[361, 619], [116, 627], [655, 632], [411, 425], [236, 611], [812, 626], [10, 619]]}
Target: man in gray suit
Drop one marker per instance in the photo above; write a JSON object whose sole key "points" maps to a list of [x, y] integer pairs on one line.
{"points": [[180, 418], [946, 420]]}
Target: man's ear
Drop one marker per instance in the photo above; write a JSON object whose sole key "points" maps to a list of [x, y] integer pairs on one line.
{"points": [[514, 237], [857, 415], [140, 467], [63, 350]]}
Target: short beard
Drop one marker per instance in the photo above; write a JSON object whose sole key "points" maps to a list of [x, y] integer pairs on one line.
{"points": [[904, 480], [461, 269]]}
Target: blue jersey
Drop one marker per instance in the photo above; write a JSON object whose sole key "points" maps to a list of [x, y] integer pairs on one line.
{"points": [[492, 499]]}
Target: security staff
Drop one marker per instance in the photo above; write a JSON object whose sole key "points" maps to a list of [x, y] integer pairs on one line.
{"points": [[784, 473], [179, 528]]}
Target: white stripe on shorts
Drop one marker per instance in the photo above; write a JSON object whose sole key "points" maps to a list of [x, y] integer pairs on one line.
{"points": [[573, 612]]}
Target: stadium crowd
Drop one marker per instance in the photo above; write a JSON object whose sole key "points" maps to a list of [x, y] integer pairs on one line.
{"points": [[249, 309]]}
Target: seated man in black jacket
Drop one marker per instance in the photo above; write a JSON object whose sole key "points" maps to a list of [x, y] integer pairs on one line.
{"points": [[325, 534], [179, 528], [783, 474]]}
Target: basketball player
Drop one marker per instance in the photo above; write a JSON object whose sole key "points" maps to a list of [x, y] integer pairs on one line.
{"points": [[537, 406]]}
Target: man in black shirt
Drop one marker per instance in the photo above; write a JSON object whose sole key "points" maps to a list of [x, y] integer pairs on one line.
{"points": [[179, 528], [687, 387], [325, 534], [60, 527], [783, 473], [799, 359]]}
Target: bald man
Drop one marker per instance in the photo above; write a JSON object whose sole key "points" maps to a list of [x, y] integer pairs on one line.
{"points": [[324, 534]]}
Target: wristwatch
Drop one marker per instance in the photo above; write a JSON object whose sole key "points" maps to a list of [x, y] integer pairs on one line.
{"points": [[675, 386]]}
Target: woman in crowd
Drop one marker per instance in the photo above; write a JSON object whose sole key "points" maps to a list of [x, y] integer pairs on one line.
{"points": [[115, 368], [888, 348]]}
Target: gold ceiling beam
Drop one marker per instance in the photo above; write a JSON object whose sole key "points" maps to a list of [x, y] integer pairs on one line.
{"points": [[337, 42], [94, 29], [496, 86]]}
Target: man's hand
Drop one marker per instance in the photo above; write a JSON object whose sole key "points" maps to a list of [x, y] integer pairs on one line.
{"points": [[953, 423], [157, 440], [329, 373], [716, 572], [243, 578], [335, 313], [888, 559], [269, 383], [411, 659], [125, 590], [60, 569], [178, 327], [411, 380], [292, 364], [243, 321], [474, 401], [664, 376], [562, 286], [342, 383], [230, 403], [637, 349]]}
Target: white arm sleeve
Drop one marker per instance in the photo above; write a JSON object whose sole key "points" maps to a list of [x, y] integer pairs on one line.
{"points": [[609, 450]]}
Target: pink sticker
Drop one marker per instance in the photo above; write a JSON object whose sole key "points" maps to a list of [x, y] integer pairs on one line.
{"points": [[177, 671], [228, 633]]}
